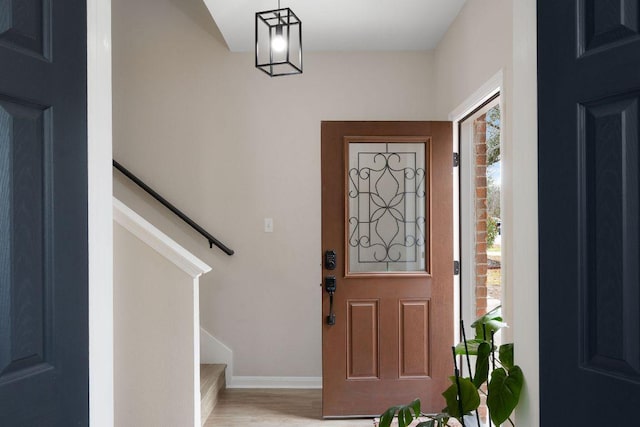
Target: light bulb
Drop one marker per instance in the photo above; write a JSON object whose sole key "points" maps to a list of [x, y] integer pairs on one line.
{"points": [[278, 43]]}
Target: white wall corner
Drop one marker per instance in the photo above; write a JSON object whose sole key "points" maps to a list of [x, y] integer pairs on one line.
{"points": [[163, 244]]}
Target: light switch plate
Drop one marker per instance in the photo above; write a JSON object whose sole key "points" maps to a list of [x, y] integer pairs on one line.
{"points": [[268, 225]]}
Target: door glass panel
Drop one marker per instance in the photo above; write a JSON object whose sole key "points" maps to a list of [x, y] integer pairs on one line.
{"points": [[387, 207]]}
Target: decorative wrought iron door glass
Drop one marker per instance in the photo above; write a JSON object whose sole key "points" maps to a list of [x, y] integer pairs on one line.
{"points": [[387, 199]]}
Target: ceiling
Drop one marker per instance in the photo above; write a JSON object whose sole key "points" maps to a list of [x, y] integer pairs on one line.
{"points": [[343, 25]]}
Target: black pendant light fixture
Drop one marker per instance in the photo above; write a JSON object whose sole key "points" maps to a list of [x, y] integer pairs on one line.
{"points": [[278, 42]]}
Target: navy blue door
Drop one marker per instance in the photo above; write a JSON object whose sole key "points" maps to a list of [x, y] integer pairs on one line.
{"points": [[43, 214], [589, 206]]}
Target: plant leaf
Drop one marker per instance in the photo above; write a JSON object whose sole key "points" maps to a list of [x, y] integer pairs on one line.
{"points": [[407, 416], [472, 346], [404, 417], [387, 417], [492, 325], [470, 397], [401, 422], [415, 405], [505, 355], [482, 364], [435, 420], [493, 322], [504, 393], [442, 418]]}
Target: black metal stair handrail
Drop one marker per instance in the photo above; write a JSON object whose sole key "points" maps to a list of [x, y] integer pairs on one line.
{"points": [[212, 240]]}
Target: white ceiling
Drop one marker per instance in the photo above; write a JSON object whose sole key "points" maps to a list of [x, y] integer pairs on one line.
{"points": [[343, 25]]}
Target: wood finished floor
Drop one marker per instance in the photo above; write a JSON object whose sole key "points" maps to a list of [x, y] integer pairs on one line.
{"points": [[271, 408]]}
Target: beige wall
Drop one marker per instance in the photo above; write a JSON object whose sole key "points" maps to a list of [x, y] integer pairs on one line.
{"points": [[477, 45], [231, 146], [153, 337]]}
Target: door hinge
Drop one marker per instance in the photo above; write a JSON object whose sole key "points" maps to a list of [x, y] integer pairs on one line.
{"points": [[456, 268], [456, 160]]}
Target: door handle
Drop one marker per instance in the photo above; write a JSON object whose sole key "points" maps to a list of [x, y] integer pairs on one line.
{"points": [[330, 287]]}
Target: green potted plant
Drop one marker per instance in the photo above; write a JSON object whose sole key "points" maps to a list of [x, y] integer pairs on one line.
{"points": [[496, 377]]}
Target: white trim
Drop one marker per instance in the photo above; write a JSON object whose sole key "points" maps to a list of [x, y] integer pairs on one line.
{"points": [[163, 244], [197, 413], [456, 237], [461, 216], [524, 189], [276, 382], [468, 213], [212, 351], [486, 91], [100, 232]]}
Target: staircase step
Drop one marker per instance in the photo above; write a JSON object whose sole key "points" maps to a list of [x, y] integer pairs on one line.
{"points": [[212, 380]]}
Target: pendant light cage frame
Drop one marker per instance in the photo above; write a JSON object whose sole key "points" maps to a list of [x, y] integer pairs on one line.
{"points": [[284, 23]]}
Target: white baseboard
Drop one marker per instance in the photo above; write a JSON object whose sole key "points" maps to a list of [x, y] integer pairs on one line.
{"points": [[275, 382]]}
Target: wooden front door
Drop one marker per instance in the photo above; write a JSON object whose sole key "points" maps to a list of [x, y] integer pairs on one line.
{"points": [[44, 350], [387, 216], [589, 211]]}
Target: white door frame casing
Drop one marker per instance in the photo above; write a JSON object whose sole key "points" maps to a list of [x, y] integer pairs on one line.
{"points": [[99, 155], [464, 293], [468, 223]]}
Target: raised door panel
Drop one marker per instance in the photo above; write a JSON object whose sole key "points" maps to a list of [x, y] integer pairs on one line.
{"points": [[26, 279], [25, 25], [607, 22], [610, 235], [362, 340], [414, 339]]}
